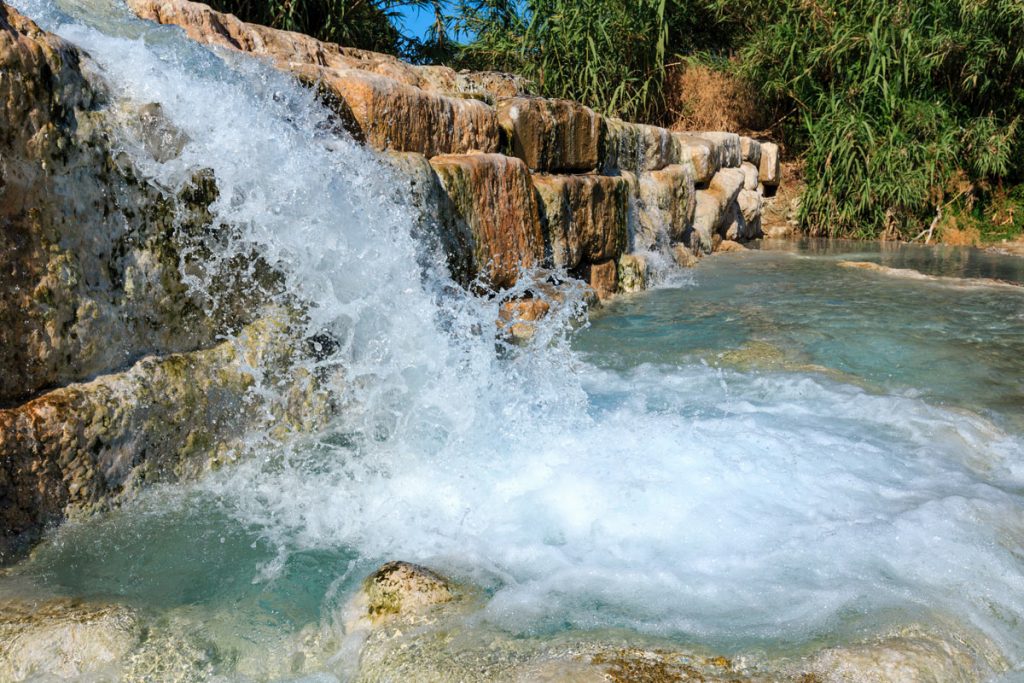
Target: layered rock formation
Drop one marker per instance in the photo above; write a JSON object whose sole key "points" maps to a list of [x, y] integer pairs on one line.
{"points": [[112, 372], [505, 183], [604, 187], [413, 624]]}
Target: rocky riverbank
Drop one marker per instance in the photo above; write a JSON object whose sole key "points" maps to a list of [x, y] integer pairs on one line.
{"points": [[102, 335]]}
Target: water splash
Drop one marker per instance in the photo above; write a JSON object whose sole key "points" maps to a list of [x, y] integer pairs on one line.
{"points": [[686, 500]]}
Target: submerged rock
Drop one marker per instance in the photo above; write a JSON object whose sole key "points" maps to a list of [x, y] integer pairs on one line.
{"points": [[438, 638], [65, 638]]}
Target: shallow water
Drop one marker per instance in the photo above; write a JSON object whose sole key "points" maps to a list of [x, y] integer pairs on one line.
{"points": [[773, 452]]}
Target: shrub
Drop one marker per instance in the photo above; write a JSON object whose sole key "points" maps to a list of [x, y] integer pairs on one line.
{"points": [[353, 23], [891, 100]]}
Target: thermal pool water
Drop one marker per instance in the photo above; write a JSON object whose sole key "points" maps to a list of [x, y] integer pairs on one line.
{"points": [[770, 453]]}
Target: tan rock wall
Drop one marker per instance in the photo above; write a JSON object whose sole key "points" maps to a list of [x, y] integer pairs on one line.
{"points": [[91, 252], [585, 217], [552, 135], [493, 195]]}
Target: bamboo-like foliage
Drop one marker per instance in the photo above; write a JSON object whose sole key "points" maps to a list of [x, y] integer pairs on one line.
{"points": [[891, 100], [610, 54], [367, 24]]}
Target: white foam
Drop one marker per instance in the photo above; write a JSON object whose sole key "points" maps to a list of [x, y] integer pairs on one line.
{"points": [[685, 500]]}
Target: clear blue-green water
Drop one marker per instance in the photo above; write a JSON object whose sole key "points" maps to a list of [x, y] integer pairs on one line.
{"points": [[775, 453]]}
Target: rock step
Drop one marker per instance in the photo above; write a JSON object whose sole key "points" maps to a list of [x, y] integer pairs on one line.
{"points": [[85, 446], [492, 217], [434, 110]]}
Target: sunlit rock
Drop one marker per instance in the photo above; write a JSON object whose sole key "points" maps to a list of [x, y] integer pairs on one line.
{"points": [[518, 318], [750, 150], [769, 170], [636, 147], [83, 447], [287, 48], [728, 245], [751, 205], [398, 591], [701, 153], [633, 273], [706, 219], [65, 638], [727, 147], [438, 224], [750, 175], [684, 256], [391, 115], [552, 135], [584, 216], [93, 252], [493, 194], [603, 278], [666, 202]]}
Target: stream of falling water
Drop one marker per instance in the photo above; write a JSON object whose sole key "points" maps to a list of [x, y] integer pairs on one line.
{"points": [[771, 456]]}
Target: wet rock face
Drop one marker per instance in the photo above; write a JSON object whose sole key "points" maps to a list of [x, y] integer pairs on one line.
{"points": [[91, 252], [493, 195], [636, 147], [95, 260], [584, 216], [552, 135], [84, 447]]}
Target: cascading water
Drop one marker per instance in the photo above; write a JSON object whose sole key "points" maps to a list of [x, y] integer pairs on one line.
{"points": [[623, 483]]}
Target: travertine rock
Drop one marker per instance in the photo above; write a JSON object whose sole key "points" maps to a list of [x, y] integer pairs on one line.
{"points": [[636, 147], [91, 252], [770, 172], [396, 591], [518, 317], [665, 206], [494, 196], [683, 256], [390, 115], [438, 225], [750, 175], [288, 49], [83, 447], [585, 217], [750, 150], [603, 278], [727, 146], [706, 220], [751, 205], [64, 638], [633, 273], [552, 135], [702, 154]]}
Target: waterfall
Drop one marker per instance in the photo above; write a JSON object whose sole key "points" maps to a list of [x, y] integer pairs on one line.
{"points": [[737, 508]]}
